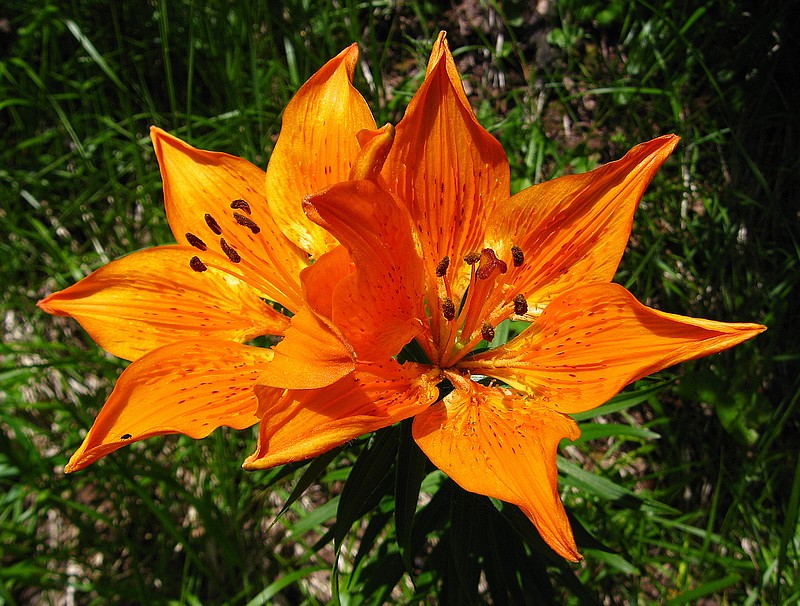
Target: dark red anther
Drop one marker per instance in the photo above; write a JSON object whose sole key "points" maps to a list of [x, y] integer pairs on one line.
{"points": [[241, 205], [212, 224], [520, 305], [517, 256], [441, 267], [248, 223], [487, 332], [448, 309], [196, 264], [472, 258], [196, 242], [229, 251]]}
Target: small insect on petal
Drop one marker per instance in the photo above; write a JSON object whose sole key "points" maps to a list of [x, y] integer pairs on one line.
{"points": [[125, 436], [196, 264], [212, 224], [229, 251], [241, 205], [487, 332], [247, 222], [520, 305], [196, 242], [441, 267]]}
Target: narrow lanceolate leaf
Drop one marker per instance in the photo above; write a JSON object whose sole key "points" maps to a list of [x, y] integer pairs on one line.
{"points": [[411, 465], [191, 387], [369, 477], [594, 340], [153, 298]]}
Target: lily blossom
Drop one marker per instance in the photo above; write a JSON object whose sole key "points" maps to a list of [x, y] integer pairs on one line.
{"points": [[436, 252], [417, 245], [181, 312]]}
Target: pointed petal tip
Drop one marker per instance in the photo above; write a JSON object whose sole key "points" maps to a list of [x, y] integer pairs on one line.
{"points": [[83, 457], [439, 51], [72, 466], [347, 57], [53, 304], [254, 463], [45, 306], [157, 134], [659, 148], [671, 141], [565, 547]]}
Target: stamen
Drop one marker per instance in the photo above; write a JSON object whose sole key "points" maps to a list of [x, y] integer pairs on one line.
{"points": [[241, 205], [520, 305], [213, 225], [196, 264], [441, 268], [196, 242], [230, 251], [472, 258], [249, 223], [448, 309], [482, 282], [517, 256], [487, 332]]}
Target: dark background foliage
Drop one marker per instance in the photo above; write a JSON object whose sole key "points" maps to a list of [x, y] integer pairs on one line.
{"points": [[694, 491]]}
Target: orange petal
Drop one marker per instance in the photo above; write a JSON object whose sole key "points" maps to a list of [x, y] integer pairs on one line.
{"points": [[594, 340], [574, 229], [215, 198], [375, 146], [320, 280], [191, 387], [494, 443], [153, 297], [384, 295], [311, 355], [448, 170], [296, 425], [316, 147]]}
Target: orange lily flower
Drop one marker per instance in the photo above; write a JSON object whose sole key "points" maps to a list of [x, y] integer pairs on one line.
{"points": [[414, 239], [435, 252], [180, 313]]}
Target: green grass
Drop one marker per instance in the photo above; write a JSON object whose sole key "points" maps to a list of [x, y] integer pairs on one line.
{"points": [[686, 488]]}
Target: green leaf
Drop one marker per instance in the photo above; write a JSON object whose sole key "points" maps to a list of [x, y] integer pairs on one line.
{"points": [[411, 465], [367, 482], [310, 475], [596, 431]]}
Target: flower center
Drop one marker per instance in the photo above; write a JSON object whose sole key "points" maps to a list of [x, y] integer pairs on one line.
{"points": [[475, 317]]}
